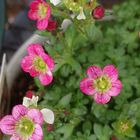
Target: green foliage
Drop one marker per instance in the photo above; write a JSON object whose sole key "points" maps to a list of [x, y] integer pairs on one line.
{"points": [[78, 117]]}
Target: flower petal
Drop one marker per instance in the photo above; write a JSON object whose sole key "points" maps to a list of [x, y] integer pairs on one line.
{"points": [[26, 63], [81, 15], [48, 115], [48, 14], [26, 101], [19, 111], [55, 2], [38, 133], [33, 72], [111, 71], [65, 24], [42, 24], [49, 61], [32, 14], [34, 5], [30, 101], [86, 86], [7, 125], [35, 49], [36, 116], [94, 72], [46, 79], [116, 88], [101, 98], [16, 137]]}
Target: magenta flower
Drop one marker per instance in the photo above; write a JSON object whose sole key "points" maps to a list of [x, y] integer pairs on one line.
{"points": [[101, 84], [40, 11], [38, 63], [23, 124]]}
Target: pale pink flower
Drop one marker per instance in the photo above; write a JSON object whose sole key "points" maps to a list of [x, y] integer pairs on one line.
{"points": [[101, 84], [23, 124], [38, 63], [40, 11]]}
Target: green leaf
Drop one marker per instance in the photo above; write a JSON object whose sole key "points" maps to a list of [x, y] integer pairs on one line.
{"points": [[87, 126], [92, 137], [38, 84], [66, 130], [98, 130], [65, 100]]}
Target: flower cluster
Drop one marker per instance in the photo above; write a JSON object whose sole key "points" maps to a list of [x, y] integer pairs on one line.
{"points": [[41, 11], [26, 121], [81, 5]]}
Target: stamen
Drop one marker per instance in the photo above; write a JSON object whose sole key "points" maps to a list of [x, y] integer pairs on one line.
{"points": [[102, 84]]}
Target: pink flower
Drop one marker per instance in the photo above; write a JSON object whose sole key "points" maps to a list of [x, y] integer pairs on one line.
{"points": [[98, 12], [23, 124], [38, 63], [101, 84], [40, 11]]}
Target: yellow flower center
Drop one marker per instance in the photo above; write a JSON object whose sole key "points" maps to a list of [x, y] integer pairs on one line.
{"points": [[102, 84], [74, 5], [39, 64], [124, 127], [25, 127], [42, 10]]}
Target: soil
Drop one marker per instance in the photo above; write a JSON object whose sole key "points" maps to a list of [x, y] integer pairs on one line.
{"points": [[22, 84]]}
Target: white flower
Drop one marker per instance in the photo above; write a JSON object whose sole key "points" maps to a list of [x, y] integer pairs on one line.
{"points": [[81, 15], [30, 102], [55, 2], [48, 115], [65, 24]]}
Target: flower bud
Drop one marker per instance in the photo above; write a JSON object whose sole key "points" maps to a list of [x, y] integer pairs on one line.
{"points": [[29, 94], [98, 12], [50, 127]]}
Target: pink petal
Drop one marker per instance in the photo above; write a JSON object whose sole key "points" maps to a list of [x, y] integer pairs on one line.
{"points": [[16, 137], [49, 61], [51, 25], [111, 71], [26, 63], [19, 111], [101, 98], [48, 14], [35, 49], [46, 79], [116, 88], [33, 72], [94, 72], [7, 125], [36, 116], [86, 86], [34, 5], [32, 14], [42, 24], [38, 133]]}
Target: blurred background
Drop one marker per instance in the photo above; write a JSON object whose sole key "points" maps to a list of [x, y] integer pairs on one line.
{"points": [[15, 27]]}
